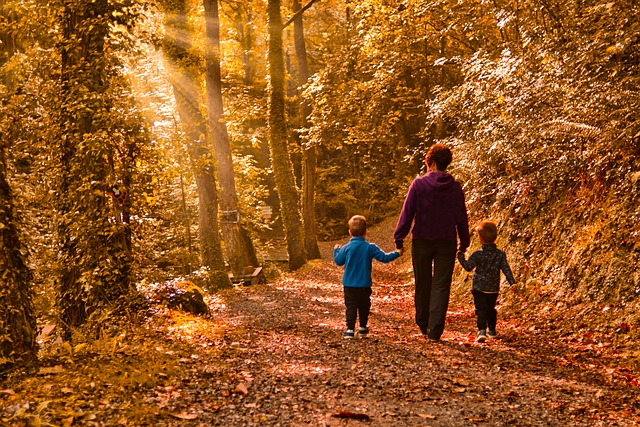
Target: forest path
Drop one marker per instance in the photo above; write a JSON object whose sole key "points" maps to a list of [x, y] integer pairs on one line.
{"points": [[278, 358], [274, 355]]}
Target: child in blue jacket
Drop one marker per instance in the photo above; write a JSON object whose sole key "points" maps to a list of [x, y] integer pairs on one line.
{"points": [[357, 256]]}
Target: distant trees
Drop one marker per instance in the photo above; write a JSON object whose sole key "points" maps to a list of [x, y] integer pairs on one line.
{"points": [[186, 77]]}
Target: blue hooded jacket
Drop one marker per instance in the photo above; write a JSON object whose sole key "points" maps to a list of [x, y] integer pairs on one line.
{"points": [[357, 256]]}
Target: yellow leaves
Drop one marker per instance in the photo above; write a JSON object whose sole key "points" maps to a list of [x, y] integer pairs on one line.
{"points": [[150, 199]]}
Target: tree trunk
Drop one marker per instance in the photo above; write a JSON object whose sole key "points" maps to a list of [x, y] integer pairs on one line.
{"points": [[239, 248], [17, 320], [95, 262], [308, 149], [184, 80], [281, 161], [247, 45]]}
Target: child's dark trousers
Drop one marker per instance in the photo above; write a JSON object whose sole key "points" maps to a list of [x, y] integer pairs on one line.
{"points": [[486, 314], [358, 304]]}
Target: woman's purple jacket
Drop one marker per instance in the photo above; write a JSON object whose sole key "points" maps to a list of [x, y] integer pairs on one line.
{"points": [[436, 208]]}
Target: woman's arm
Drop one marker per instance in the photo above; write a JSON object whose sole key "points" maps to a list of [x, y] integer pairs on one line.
{"points": [[406, 217]]}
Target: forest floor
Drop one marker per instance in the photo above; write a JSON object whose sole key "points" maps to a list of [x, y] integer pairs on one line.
{"points": [[273, 354]]}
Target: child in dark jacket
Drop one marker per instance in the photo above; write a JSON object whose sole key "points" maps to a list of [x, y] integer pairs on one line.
{"points": [[357, 256], [488, 263]]}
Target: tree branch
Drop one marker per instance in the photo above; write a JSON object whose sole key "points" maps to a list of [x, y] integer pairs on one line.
{"points": [[299, 13]]}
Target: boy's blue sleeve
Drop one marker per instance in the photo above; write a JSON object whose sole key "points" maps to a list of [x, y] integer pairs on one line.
{"points": [[380, 255], [504, 266], [469, 264], [339, 256]]}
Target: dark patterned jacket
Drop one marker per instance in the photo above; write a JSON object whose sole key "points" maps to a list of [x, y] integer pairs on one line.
{"points": [[488, 263]]}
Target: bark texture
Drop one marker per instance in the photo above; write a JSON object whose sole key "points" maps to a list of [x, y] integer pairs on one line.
{"points": [[238, 245], [184, 80], [309, 159], [280, 158]]}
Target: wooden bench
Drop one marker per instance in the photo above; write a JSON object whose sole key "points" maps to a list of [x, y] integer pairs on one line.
{"points": [[250, 276]]}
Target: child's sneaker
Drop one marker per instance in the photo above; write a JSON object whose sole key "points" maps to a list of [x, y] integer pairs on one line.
{"points": [[482, 336], [363, 332], [349, 333], [491, 333]]}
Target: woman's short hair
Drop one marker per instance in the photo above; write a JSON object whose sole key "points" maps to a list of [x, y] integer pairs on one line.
{"points": [[488, 231], [440, 154]]}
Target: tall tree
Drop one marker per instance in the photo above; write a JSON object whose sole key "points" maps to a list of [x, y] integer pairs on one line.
{"points": [[308, 150], [95, 263], [238, 245], [17, 321], [280, 158], [184, 71]]}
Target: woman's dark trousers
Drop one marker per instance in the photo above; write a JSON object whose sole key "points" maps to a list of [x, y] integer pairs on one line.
{"points": [[357, 301], [433, 262], [486, 314]]}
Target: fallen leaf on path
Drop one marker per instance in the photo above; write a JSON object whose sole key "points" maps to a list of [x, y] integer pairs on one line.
{"points": [[427, 416], [58, 369], [241, 388], [7, 391], [461, 381], [185, 416]]}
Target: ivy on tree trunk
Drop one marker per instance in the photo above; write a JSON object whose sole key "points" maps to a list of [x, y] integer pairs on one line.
{"points": [[280, 158], [95, 262]]}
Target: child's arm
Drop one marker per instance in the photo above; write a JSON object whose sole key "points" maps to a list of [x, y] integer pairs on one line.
{"points": [[506, 270], [339, 255], [381, 256], [469, 264]]}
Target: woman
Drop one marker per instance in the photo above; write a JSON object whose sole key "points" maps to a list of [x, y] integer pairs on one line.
{"points": [[435, 206]]}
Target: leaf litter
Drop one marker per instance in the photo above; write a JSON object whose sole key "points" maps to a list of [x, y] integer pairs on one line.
{"points": [[274, 355]]}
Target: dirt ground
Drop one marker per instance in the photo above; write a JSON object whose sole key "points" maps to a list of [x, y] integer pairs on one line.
{"points": [[274, 355]]}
